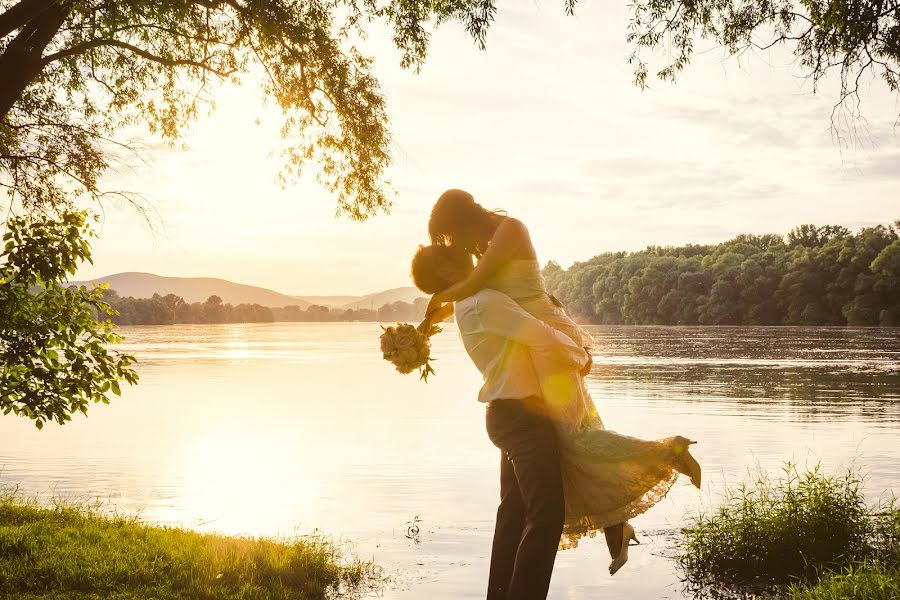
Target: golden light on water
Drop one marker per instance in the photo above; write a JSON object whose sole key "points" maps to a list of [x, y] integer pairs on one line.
{"points": [[238, 347], [240, 479]]}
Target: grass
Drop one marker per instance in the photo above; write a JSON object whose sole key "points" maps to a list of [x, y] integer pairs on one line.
{"points": [[800, 527], [860, 582], [75, 550]]}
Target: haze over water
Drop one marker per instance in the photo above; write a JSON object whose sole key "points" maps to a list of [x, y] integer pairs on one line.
{"points": [[288, 428]]}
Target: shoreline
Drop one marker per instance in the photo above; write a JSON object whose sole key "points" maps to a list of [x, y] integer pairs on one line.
{"points": [[81, 549]]}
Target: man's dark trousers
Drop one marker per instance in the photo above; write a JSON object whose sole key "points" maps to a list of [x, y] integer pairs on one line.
{"points": [[531, 512]]}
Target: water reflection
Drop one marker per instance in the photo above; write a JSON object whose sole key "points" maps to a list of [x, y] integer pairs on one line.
{"points": [[222, 471], [814, 373], [281, 429]]}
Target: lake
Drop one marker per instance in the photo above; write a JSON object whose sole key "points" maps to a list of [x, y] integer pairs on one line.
{"points": [[291, 428]]}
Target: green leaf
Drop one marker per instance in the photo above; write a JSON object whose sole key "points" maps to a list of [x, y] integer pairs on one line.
{"points": [[41, 324]]}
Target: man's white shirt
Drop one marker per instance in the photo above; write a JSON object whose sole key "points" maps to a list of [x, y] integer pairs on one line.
{"points": [[505, 341]]}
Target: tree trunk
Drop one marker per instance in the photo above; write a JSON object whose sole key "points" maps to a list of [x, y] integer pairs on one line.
{"points": [[21, 61], [19, 14]]}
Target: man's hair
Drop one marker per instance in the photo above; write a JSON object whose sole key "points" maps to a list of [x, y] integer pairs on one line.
{"points": [[427, 273]]}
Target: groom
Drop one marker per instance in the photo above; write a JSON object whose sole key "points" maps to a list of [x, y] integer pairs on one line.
{"points": [[501, 338]]}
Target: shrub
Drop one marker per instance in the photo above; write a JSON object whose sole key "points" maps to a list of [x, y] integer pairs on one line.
{"points": [[772, 531]]}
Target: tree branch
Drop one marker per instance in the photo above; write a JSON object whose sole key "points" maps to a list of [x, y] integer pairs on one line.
{"points": [[105, 42], [20, 61], [19, 14]]}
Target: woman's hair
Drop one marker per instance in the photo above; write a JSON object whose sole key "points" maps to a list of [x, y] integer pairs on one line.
{"points": [[458, 220], [427, 272]]}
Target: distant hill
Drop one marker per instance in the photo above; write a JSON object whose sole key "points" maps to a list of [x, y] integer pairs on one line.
{"points": [[193, 289], [198, 289], [403, 294], [330, 301]]}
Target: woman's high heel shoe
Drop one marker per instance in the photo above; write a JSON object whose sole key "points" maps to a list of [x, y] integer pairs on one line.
{"points": [[686, 463], [627, 536], [693, 468]]}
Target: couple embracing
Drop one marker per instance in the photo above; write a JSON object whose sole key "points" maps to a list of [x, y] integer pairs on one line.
{"points": [[562, 474]]}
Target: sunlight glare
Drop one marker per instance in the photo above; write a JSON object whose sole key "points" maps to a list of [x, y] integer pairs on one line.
{"points": [[237, 479]]}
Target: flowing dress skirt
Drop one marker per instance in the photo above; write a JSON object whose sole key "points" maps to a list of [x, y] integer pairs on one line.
{"points": [[608, 477]]}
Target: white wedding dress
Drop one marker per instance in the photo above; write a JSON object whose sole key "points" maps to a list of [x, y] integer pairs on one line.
{"points": [[608, 478]]}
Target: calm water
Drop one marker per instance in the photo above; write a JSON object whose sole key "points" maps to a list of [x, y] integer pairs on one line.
{"points": [[284, 429]]}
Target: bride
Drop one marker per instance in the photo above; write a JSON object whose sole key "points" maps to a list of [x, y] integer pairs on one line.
{"points": [[608, 478]]}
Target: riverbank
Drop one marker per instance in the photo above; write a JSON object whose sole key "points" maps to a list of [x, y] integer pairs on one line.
{"points": [[78, 550]]}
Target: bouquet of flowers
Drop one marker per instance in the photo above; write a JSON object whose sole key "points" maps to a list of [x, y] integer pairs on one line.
{"points": [[408, 349]]}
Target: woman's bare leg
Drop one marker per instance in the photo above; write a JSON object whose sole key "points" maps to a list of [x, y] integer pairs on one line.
{"points": [[613, 539]]}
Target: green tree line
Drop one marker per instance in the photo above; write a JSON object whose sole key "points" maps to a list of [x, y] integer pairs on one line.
{"points": [[392, 311], [171, 308], [812, 276]]}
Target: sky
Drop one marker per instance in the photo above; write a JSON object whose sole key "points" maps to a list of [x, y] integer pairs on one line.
{"points": [[546, 124]]}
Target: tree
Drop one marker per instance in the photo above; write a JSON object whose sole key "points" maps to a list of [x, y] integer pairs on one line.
{"points": [[214, 310], [887, 268], [816, 276], [856, 39], [318, 312], [53, 359], [811, 236], [74, 73]]}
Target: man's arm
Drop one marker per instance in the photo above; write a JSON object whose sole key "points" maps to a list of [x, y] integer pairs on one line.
{"points": [[587, 340], [499, 314]]}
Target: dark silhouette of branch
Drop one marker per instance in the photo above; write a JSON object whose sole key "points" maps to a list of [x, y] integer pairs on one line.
{"points": [[19, 14], [21, 62], [107, 42]]}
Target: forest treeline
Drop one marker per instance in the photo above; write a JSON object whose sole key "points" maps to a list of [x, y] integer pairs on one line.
{"points": [[812, 276], [170, 309]]}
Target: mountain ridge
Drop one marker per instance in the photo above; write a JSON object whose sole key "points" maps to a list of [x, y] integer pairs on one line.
{"points": [[197, 289]]}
